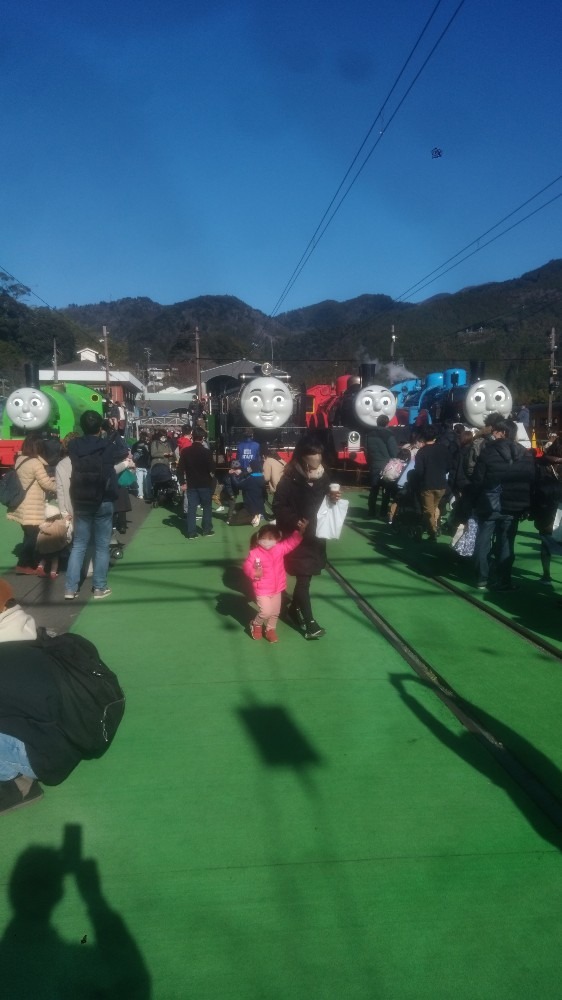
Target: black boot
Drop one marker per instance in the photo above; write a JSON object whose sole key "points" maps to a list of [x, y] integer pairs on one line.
{"points": [[296, 618], [19, 792], [314, 630]]}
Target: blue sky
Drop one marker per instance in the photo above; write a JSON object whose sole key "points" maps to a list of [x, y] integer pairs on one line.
{"points": [[177, 149]]}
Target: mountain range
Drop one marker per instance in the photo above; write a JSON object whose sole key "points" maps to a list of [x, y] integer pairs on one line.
{"points": [[505, 325]]}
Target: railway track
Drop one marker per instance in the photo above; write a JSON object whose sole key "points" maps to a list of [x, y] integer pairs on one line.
{"points": [[536, 640], [534, 786]]}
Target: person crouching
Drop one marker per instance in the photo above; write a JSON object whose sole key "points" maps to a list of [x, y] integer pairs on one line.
{"points": [[265, 567]]}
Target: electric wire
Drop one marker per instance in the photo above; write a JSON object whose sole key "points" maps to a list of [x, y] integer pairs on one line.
{"points": [[439, 271], [329, 216], [363, 144], [493, 240], [29, 290]]}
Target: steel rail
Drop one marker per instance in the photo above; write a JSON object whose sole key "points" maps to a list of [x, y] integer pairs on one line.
{"points": [[539, 793]]}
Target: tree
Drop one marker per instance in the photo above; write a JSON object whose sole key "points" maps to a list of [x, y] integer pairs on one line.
{"points": [[12, 287]]}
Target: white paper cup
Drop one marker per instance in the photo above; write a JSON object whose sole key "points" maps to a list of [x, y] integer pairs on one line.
{"points": [[334, 487]]}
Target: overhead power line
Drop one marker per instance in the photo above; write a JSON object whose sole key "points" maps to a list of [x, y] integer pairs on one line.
{"points": [[31, 292], [337, 201], [443, 269]]}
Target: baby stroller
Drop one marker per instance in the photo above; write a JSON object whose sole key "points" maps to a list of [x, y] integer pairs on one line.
{"points": [[116, 546], [165, 486]]}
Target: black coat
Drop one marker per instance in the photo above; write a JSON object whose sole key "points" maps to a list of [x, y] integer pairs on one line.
{"points": [[297, 497], [196, 467], [509, 465], [433, 462], [30, 710], [381, 445], [546, 494]]}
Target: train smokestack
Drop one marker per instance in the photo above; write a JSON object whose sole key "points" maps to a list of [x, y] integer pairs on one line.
{"points": [[368, 372], [31, 375], [477, 369]]}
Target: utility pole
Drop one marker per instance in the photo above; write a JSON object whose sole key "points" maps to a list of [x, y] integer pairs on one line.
{"points": [[553, 382], [392, 343], [147, 369], [106, 352], [55, 361], [197, 363]]}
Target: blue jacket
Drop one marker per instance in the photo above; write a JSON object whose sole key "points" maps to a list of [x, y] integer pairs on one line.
{"points": [[252, 488], [247, 452]]}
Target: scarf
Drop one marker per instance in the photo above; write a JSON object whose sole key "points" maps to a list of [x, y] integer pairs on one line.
{"points": [[310, 474]]}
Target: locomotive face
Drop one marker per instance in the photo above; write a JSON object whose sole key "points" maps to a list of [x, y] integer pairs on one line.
{"points": [[485, 397], [28, 409], [372, 402], [266, 402]]}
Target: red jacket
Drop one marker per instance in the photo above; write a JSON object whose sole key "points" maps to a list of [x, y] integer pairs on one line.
{"points": [[274, 577]]}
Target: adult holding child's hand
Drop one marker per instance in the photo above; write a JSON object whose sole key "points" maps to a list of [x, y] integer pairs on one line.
{"points": [[299, 495]]}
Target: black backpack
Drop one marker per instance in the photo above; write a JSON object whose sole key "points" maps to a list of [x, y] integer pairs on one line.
{"points": [[92, 702], [12, 492], [89, 480]]}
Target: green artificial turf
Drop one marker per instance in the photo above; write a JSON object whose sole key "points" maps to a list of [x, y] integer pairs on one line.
{"points": [[513, 687], [303, 820]]}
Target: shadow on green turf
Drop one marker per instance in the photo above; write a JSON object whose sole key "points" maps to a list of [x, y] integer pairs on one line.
{"points": [[471, 751], [235, 602], [36, 961], [533, 605], [277, 738], [175, 520]]}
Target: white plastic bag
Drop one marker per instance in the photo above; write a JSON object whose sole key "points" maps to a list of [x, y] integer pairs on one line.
{"points": [[330, 518], [557, 526]]}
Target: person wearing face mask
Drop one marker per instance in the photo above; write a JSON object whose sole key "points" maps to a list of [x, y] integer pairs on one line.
{"points": [[299, 494], [264, 565]]}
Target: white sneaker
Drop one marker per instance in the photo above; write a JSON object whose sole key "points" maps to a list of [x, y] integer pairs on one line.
{"points": [[256, 520], [100, 593], [219, 510]]}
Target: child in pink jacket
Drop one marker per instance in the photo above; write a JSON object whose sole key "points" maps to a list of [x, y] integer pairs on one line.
{"points": [[265, 567]]}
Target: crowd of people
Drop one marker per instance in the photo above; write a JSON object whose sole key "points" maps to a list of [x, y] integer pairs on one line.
{"points": [[281, 499], [480, 484], [79, 482], [76, 492], [72, 495], [484, 481], [477, 485]]}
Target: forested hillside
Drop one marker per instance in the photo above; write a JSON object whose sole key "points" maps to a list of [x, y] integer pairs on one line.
{"points": [[503, 324]]}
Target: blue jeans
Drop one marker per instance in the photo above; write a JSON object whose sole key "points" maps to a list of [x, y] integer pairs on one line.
{"points": [[13, 758], [194, 497], [99, 525], [502, 528]]}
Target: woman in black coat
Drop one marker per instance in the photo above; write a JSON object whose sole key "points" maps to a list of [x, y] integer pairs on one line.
{"points": [[299, 494]]}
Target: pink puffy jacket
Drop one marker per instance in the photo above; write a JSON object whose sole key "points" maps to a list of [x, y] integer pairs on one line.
{"points": [[274, 577]]}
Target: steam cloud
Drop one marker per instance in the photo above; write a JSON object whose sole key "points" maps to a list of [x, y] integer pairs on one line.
{"points": [[387, 374]]}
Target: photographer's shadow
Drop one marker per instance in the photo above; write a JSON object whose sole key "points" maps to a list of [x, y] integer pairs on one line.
{"points": [[36, 962]]}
